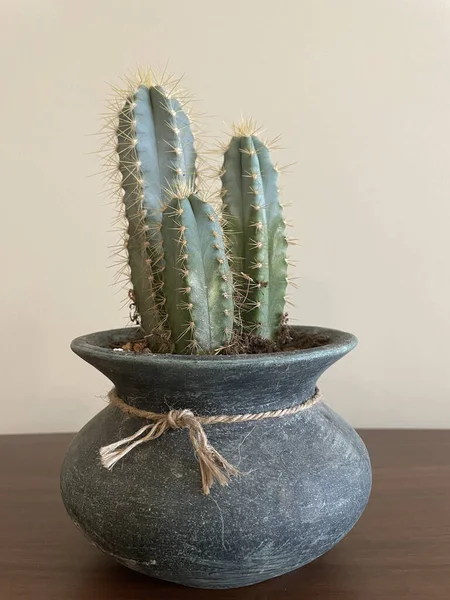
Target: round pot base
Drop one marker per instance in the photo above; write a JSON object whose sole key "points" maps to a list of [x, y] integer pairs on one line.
{"points": [[305, 480]]}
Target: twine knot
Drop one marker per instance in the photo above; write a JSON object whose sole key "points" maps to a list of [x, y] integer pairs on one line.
{"points": [[179, 419], [213, 466]]}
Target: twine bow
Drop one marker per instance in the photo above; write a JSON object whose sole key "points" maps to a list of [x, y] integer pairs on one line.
{"points": [[213, 466]]}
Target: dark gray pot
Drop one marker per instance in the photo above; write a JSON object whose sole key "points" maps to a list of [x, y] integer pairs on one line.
{"points": [[307, 480]]}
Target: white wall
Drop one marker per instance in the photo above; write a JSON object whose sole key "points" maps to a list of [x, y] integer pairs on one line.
{"points": [[360, 90]]}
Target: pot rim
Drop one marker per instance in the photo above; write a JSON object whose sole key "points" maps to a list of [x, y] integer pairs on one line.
{"points": [[340, 342]]}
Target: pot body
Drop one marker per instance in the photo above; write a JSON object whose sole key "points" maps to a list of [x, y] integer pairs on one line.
{"points": [[306, 477]]}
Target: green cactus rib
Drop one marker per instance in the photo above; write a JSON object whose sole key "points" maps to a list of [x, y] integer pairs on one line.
{"points": [[200, 303], [256, 232], [156, 154]]}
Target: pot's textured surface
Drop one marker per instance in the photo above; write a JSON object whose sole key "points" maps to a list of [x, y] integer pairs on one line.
{"points": [[306, 481]]}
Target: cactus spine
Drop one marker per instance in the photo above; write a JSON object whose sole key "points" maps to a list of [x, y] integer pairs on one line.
{"points": [[188, 297], [257, 232]]}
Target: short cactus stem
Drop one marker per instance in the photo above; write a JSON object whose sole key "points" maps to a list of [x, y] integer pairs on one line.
{"points": [[200, 305]]}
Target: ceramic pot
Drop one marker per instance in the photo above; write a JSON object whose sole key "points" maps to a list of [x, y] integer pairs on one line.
{"points": [[306, 477]]}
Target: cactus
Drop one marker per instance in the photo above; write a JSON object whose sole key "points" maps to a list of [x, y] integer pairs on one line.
{"points": [[190, 297], [257, 237], [156, 153], [200, 302], [182, 284]]}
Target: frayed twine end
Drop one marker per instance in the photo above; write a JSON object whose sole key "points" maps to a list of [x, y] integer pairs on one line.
{"points": [[213, 466]]}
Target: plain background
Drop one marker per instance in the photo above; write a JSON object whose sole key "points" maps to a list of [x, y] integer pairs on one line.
{"points": [[360, 90]]}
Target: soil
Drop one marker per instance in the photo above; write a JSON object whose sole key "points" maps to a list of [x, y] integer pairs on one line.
{"points": [[288, 339]]}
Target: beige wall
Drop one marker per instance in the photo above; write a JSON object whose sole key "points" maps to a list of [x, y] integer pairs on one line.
{"points": [[360, 90]]}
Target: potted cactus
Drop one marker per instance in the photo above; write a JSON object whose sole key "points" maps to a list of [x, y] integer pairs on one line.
{"points": [[216, 464]]}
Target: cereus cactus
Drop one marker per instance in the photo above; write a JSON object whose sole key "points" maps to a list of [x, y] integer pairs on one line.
{"points": [[256, 231], [156, 153], [195, 289], [197, 279]]}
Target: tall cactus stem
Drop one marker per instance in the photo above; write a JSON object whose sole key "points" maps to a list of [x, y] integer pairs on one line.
{"points": [[156, 153]]}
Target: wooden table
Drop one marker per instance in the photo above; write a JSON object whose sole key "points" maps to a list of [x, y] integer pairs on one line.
{"points": [[399, 549]]}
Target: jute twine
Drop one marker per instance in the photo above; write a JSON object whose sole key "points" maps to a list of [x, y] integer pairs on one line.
{"points": [[213, 466]]}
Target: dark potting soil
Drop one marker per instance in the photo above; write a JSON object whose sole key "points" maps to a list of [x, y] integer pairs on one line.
{"points": [[288, 339]]}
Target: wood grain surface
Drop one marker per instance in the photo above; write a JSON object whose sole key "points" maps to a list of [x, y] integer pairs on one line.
{"points": [[399, 549]]}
